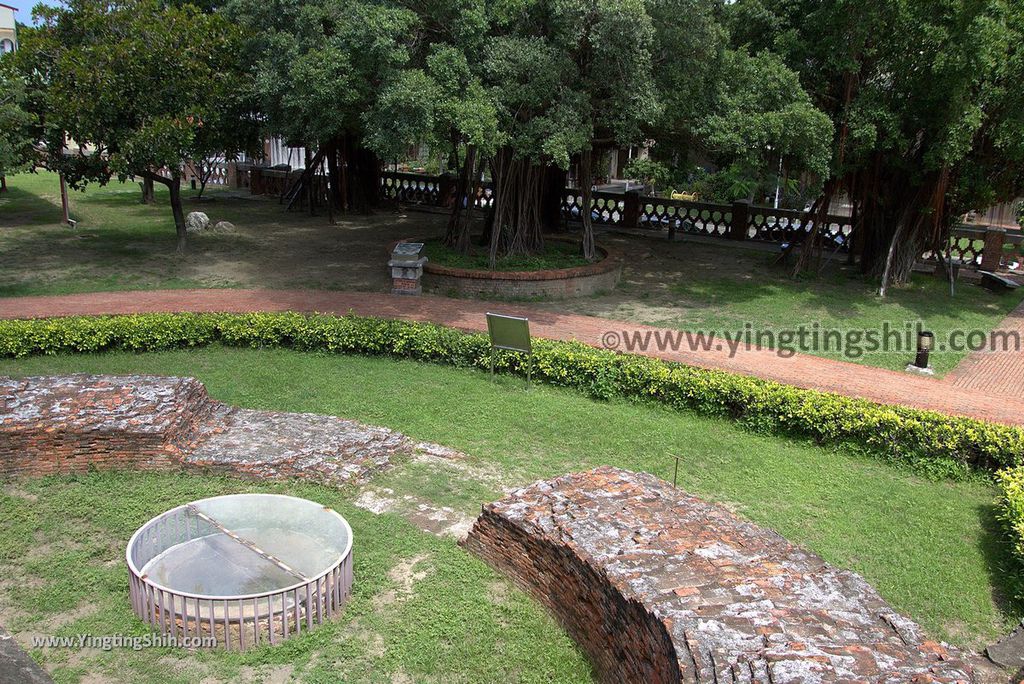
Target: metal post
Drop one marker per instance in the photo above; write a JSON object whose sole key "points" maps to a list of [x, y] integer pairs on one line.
{"points": [[64, 218], [675, 475]]}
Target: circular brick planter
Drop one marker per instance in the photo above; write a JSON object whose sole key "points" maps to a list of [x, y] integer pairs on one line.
{"points": [[558, 283]]}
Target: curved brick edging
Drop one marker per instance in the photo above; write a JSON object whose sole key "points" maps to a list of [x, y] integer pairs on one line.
{"points": [[557, 283], [624, 640], [624, 561]]}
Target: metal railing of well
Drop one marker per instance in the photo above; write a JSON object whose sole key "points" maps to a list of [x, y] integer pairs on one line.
{"points": [[234, 622]]}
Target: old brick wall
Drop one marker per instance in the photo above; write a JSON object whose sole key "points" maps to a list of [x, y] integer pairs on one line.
{"points": [[622, 638], [69, 424], [625, 562]]}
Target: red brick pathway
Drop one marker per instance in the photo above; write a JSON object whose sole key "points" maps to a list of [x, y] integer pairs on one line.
{"points": [[801, 370], [1000, 373]]}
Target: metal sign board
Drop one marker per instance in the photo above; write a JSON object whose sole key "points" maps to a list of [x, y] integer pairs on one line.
{"points": [[509, 332]]}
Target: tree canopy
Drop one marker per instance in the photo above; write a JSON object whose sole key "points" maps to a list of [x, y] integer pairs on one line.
{"points": [[909, 109], [925, 99], [16, 124], [140, 88]]}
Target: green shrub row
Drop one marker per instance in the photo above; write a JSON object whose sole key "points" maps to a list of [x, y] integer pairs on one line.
{"points": [[1011, 483], [1011, 511], [933, 443]]}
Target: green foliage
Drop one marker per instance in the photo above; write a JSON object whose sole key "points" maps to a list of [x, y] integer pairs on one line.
{"points": [[443, 104], [1011, 489], [650, 172], [932, 443], [759, 114], [141, 84], [742, 111], [319, 66], [16, 124], [1010, 482], [923, 95], [562, 74]]}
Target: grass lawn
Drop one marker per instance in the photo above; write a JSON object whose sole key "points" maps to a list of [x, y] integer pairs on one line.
{"points": [[556, 255], [700, 287], [933, 549], [121, 244]]}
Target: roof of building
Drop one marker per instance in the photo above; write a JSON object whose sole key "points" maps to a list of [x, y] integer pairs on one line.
{"points": [[8, 7]]}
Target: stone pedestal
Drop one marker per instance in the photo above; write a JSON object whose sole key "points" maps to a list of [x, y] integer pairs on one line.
{"points": [[405, 276]]}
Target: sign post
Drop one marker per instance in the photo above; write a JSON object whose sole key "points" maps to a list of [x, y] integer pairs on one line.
{"points": [[511, 333]]}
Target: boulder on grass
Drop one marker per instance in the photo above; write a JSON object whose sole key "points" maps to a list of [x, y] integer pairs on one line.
{"points": [[223, 227], [196, 221]]}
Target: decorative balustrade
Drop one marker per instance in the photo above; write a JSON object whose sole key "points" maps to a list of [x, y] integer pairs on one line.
{"points": [[413, 188], [218, 175], [695, 218], [736, 221], [987, 248], [605, 207]]}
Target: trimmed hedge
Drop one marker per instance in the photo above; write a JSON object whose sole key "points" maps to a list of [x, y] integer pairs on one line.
{"points": [[1011, 512], [1011, 490], [933, 443]]}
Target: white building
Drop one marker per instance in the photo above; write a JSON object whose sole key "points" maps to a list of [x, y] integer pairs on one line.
{"points": [[8, 29]]}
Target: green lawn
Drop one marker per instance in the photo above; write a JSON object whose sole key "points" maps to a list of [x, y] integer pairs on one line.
{"points": [[121, 244], [556, 255], [700, 287], [933, 549]]}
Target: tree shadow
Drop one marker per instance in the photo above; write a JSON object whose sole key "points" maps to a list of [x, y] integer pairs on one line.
{"points": [[722, 279], [19, 207], [1004, 569]]}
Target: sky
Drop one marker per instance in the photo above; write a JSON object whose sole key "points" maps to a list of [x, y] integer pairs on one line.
{"points": [[24, 7]]}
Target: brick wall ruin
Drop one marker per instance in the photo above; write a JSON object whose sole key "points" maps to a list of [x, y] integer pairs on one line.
{"points": [[659, 586], [70, 424]]}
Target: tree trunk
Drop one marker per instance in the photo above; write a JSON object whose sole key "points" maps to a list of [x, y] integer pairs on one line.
{"points": [[901, 220], [148, 197], [586, 183], [555, 180], [3, 183], [460, 221], [334, 176], [174, 185], [517, 227], [310, 176], [363, 176]]}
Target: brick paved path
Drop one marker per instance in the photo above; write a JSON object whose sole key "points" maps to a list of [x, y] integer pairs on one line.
{"points": [[998, 373], [958, 397]]}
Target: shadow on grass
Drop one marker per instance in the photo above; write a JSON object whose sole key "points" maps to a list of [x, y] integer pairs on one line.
{"points": [[20, 207], [1004, 568], [846, 295]]}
